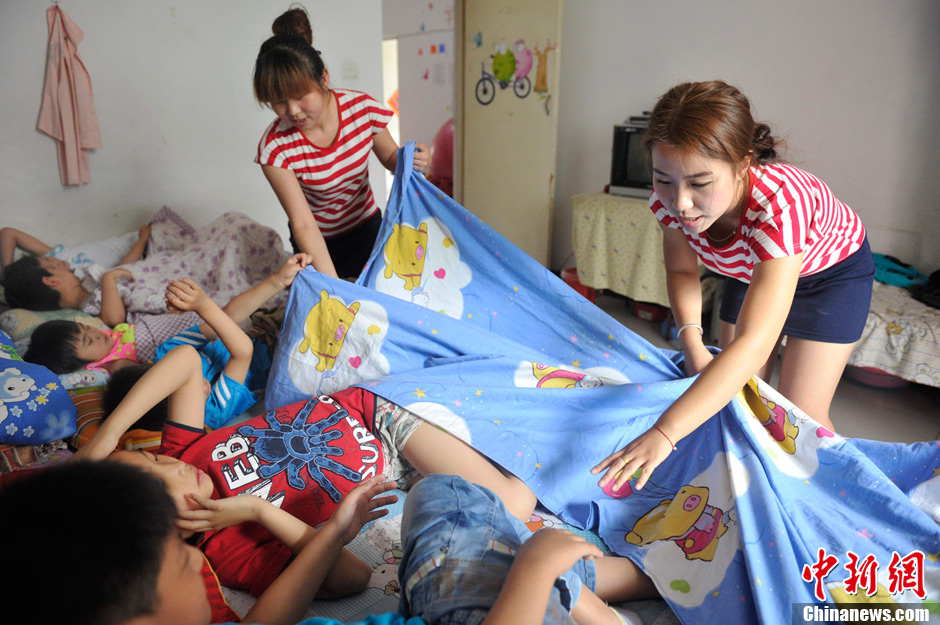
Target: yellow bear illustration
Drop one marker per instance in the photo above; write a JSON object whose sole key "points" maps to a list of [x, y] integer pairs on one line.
{"points": [[773, 417], [555, 377], [325, 329], [687, 520], [405, 253]]}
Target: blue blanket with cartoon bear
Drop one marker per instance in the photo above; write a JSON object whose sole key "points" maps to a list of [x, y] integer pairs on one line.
{"points": [[758, 510]]}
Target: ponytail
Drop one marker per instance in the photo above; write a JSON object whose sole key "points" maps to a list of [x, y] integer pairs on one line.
{"points": [[764, 145], [288, 66]]}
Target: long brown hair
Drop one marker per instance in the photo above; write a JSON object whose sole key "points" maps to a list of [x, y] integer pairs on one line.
{"points": [[288, 66], [714, 119]]}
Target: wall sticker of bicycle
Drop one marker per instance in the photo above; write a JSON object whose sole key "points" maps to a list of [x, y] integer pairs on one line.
{"points": [[510, 67]]}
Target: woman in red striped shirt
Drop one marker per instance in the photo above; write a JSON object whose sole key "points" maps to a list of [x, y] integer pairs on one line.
{"points": [[796, 261], [315, 154]]}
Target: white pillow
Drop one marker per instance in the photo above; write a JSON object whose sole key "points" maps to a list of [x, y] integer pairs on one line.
{"points": [[107, 253]]}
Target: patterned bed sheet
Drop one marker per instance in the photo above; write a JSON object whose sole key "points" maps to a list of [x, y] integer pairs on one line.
{"points": [[379, 544], [901, 336]]}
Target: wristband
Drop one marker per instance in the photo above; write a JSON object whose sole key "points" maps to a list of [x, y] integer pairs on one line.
{"points": [[686, 326], [666, 436]]}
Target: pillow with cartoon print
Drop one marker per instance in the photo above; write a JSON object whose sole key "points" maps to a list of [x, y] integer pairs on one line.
{"points": [[34, 407]]}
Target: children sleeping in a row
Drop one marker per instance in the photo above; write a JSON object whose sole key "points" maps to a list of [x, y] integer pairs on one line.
{"points": [[226, 257]]}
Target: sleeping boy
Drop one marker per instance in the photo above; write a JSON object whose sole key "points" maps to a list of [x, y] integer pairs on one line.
{"points": [[48, 278], [303, 459], [226, 257]]}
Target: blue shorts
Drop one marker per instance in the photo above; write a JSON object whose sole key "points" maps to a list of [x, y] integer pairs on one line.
{"points": [[227, 398], [459, 543], [830, 306]]}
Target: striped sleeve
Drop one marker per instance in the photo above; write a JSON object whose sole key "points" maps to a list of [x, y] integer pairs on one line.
{"points": [[662, 214], [781, 216], [270, 151], [379, 116]]}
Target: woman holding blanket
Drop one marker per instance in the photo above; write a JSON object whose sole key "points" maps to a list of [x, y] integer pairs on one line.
{"points": [[796, 261], [315, 154]]}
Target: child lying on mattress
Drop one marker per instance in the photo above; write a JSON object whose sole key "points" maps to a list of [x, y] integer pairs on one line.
{"points": [[48, 278], [138, 571], [226, 257], [232, 365], [303, 459]]}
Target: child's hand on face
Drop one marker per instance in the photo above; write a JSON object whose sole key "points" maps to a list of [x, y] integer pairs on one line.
{"points": [[214, 514], [289, 270], [183, 295], [551, 552], [360, 506]]}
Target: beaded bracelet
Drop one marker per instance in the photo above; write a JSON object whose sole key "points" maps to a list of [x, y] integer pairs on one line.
{"points": [[666, 436]]}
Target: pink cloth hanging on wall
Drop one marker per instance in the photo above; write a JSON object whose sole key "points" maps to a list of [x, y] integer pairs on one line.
{"points": [[67, 112]]}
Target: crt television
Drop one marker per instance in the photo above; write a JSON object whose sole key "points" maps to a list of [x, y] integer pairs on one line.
{"points": [[630, 171]]}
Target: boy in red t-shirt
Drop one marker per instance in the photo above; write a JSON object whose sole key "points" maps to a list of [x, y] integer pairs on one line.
{"points": [[298, 461]]}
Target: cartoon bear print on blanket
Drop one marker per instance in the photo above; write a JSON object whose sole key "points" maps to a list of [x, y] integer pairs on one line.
{"points": [[405, 252], [773, 417], [687, 520], [14, 387], [325, 329]]}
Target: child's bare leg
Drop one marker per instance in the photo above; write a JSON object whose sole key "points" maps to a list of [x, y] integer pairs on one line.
{"points": [[619, 579], [432, 450], [591, 610]]}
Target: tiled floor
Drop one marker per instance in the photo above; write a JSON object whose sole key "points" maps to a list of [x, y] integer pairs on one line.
{"points": [[905, 415]]}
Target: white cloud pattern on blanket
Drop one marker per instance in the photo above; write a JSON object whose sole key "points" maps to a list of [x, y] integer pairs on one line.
{"points": [[359, 358], [423, 266]]}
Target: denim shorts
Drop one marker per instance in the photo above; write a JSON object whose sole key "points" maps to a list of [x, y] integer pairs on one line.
{"points": [[830, 306], [394, 425], [459, 542]]}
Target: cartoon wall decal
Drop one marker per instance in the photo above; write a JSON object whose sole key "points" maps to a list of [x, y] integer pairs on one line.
{"points": [[541, 71], [405, 253], [477, 39], [687, 520], [504, 73], [523, 60], [325, 329]]}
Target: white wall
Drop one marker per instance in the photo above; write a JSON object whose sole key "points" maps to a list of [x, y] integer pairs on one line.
{"points": [[425, 71], [179, 123], [852, 85]]}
